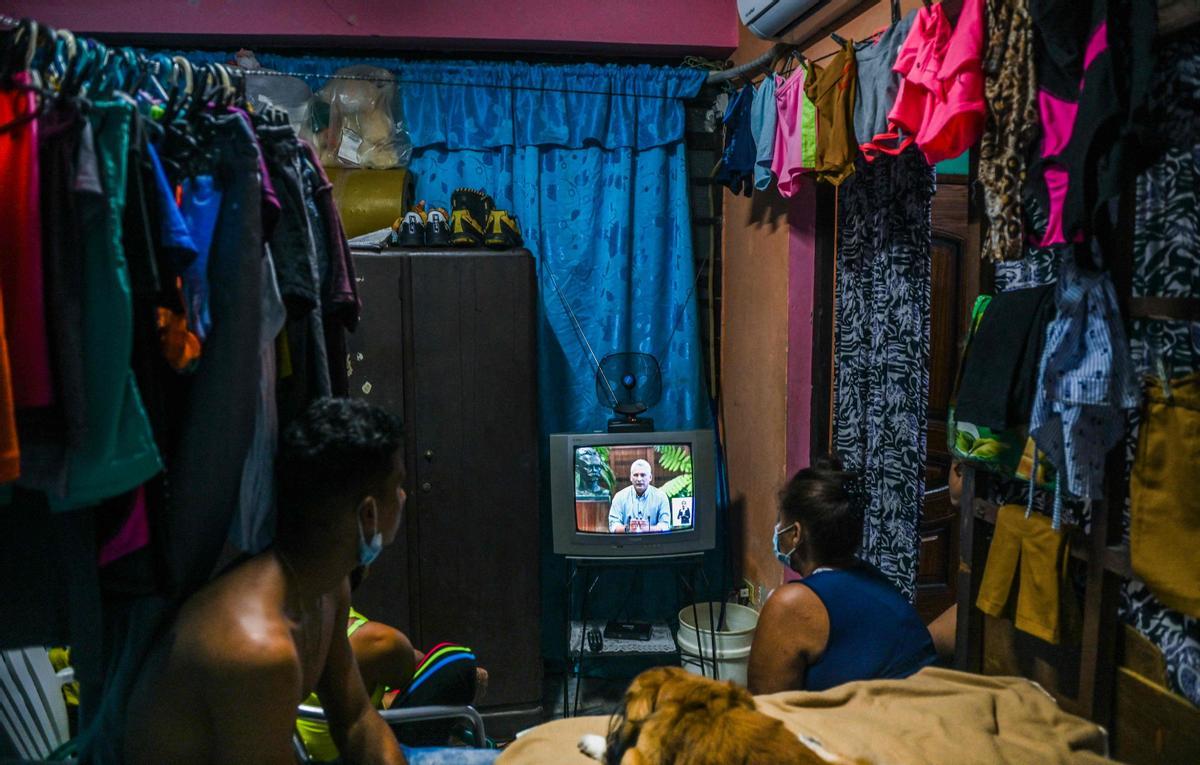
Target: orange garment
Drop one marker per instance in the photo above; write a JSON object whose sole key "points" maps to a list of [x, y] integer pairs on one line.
{"points": [[180, 347], [10, 454]]}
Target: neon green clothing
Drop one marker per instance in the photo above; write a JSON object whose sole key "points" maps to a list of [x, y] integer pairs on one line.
{"points": [[315, 735]]}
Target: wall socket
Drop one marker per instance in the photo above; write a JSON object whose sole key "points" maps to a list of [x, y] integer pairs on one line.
{"points": [[751, 594]]}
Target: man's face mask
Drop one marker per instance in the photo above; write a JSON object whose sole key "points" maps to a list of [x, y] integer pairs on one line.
{"points": [[783, 557], [368, 551]]}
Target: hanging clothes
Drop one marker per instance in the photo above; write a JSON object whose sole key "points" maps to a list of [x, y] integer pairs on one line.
{"points": [[795, 150], [764, 118], [200, 206], [1166, 263], [340, 304], [1164, 494], [10, 452], [253, 526], [1086, 383], [119, 452], [1091, 86], [878, 84], [832, 89], [881, 351], [297, 270], [21, 231], [738, 159], [47, 432], [1010, 90], [940, 100], [218, 422]]}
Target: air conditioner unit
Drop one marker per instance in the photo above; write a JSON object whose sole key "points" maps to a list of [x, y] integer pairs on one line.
{"points": [[798, 22]]}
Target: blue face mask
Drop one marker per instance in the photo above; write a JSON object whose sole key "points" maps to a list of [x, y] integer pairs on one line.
{"points": [[368, 551], [783, 557]]}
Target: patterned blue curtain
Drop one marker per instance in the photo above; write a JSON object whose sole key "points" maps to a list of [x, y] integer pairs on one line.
{"points": [[591, 159]]}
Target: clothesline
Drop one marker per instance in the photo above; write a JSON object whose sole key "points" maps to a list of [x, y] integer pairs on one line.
{"points": [[10, 22]]}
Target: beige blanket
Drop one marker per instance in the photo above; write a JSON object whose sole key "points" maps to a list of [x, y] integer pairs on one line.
{"points": [[935, 716]]}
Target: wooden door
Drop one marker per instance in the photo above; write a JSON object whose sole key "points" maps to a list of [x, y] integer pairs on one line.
{"points": [[955, 284], [473, 424]]}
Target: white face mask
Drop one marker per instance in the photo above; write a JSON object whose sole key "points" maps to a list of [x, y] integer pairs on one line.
{"points": [[784, 557], [368, 551]]}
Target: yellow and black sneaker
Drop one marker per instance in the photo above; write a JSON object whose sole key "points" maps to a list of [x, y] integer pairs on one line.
{"points": [[503, 231], [470, 210], [437, 228], [412, 227]]}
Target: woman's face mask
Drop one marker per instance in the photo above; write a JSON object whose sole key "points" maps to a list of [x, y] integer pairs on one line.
{"points": [[783, 557]]}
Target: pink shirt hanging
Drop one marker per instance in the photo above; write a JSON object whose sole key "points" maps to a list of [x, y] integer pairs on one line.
{"points": [[940, 100], [788, 162]]}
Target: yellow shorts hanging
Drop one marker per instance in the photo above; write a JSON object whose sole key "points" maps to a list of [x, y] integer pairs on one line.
{"points": [[1164, 493], [1040, 551]]}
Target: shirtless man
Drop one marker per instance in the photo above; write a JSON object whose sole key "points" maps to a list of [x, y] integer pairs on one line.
{"points": [[224, 683]]}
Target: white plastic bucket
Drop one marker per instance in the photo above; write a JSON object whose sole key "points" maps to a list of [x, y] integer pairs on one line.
{"points": [[733, 642]]}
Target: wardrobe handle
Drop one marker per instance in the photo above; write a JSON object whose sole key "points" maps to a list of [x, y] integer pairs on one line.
{"points": [[427, 487]]}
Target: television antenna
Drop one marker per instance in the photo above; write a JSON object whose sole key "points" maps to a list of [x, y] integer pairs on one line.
{"points": [[629, 383]]}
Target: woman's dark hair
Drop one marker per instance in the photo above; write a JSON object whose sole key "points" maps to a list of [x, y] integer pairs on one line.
{"points": [[829, 502], [339, 449]]}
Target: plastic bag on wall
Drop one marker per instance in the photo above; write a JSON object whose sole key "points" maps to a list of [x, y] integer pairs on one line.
{"points": [[358, 122], [288, 93]]}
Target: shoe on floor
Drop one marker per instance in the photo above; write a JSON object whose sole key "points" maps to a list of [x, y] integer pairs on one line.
{"points": [[503, 231]]}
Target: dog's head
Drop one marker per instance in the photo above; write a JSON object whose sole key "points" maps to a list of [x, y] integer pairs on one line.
{"points": [[673, 717]]}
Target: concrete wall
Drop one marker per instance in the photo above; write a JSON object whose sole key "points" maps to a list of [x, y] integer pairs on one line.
{"points": [[634, 27]]}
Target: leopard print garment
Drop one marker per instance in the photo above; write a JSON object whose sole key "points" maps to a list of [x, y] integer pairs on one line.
{"points": [[1010, 91]]}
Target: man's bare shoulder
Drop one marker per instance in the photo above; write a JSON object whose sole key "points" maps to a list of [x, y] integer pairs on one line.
{"points": [[237, 623]]}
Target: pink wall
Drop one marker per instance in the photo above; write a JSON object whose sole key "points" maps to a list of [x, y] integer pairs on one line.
{"points": [[801, 261], [622, 27]]}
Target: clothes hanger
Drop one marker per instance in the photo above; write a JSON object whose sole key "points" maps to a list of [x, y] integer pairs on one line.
{"points": [[62, 56], [182, 81], [21, 48]]}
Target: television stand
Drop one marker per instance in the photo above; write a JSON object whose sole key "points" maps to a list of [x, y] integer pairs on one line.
{"points": [[660, 640]]}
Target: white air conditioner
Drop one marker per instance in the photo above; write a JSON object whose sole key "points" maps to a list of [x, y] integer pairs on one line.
{"points": [[798, 22]]}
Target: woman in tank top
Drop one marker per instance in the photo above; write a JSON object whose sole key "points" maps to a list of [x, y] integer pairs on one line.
{"points": [[844, 621]]}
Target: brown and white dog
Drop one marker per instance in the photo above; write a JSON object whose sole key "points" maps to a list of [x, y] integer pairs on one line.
{"points": [[672, 717]]}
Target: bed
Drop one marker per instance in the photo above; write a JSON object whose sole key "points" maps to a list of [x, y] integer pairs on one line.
{"points": [[936, 716]]}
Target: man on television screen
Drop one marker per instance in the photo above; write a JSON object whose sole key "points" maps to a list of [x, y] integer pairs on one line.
{"points": [[640, 507]]}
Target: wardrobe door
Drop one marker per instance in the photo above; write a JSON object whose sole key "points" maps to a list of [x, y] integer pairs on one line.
{"points": [[375, 365], [475, 502]]}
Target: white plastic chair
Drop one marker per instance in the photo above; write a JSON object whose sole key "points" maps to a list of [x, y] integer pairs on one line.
{"points": [[403, 715], [32, 708]]}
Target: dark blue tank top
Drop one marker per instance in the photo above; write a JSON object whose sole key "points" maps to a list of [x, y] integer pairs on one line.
{"points": [[874, 632]]}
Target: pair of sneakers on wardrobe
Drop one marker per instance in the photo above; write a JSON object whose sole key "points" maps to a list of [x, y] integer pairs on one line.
{"points": [[474, 221]]}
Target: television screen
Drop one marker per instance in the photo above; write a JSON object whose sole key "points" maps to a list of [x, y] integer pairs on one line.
{"points": [[633, 495], [633, 489]]}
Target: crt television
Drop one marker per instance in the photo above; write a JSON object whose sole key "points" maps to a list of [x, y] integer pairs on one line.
{"points": [[633, 495]]}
